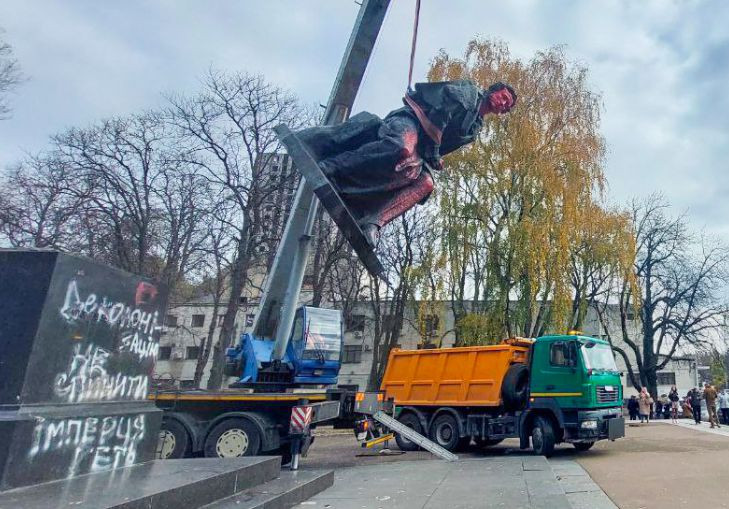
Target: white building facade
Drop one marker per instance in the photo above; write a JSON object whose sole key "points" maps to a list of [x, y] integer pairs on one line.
{"points": [[188, 323]]}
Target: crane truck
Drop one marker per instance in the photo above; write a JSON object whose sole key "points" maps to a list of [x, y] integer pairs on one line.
{"points": [[287, 367]]}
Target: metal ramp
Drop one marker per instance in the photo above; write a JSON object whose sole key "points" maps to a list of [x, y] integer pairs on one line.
{"points": [[414, 436]]}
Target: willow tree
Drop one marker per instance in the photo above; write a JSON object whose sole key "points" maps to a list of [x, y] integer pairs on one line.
{"points": [[514, 203]]}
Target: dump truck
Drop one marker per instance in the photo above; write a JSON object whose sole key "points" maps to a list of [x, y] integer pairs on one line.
{"points": [[549, 390]]}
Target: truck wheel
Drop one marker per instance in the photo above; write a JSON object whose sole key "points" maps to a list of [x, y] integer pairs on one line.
{"points": [[174, 440], [543, 437], [583, 446], [411, 421], [485, 442], [515, 386], [233, 438], [444, 432]]}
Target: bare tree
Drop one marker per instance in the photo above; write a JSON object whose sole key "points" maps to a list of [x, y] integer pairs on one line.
{"points": [[401, 251], [675, 294], [214, 281], [228, 128], [146, 201], [330, 249], [10, 76], [42, 204]]}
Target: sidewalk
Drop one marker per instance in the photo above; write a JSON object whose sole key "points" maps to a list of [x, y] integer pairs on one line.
{"points": [[502, 482], [581, 491], [703, 426]]}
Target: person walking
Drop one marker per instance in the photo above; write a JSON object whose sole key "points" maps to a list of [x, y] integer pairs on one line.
{"points": [[696, 404], [710, 396], [724, 405], [673, 398], [644, 404], [633, 408]]}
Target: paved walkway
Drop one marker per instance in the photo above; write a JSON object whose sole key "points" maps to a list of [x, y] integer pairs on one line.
{"points": [[581, 491], [497, 482], [661, 466], [703, 426]]}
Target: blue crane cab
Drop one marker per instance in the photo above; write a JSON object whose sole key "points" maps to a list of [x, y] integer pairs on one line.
{"points": [[313, 353]]}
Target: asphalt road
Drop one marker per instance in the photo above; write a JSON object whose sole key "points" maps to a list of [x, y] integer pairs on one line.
{"points": [[654, 466]]}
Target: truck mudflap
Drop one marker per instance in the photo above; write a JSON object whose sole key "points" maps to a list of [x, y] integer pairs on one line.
{"points": [[616, 428], [601, 424]]}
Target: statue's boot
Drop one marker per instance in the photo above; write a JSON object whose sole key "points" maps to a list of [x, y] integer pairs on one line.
{"points": [[396, 205]]}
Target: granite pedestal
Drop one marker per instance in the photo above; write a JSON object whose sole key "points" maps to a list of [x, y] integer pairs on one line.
{"points": [[78, 343]]}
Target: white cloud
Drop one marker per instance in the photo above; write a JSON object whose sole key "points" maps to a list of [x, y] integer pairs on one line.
{"points": [[661, 67]]}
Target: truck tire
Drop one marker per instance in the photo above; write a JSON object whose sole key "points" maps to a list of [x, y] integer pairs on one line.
{"points": [[487, 442], [233, 438], [174, 440], [444, 432], [543, 437], [411, 421], [515, 387], [583, 446]]}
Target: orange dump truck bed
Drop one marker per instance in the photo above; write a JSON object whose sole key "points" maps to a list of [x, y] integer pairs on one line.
{"points": [[467, 376]]}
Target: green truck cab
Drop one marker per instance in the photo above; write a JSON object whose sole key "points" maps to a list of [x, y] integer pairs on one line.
{"points": [[575, 393]]}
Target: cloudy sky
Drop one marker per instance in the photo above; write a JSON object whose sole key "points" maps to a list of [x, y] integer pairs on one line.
{"points": [[662, 67]]}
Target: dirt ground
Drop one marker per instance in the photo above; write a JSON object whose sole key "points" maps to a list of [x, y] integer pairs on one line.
{"points": [[659, 465], [654, 466]]}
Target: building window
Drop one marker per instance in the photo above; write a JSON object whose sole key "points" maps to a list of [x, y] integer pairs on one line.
{"points": [[431, 325], [198, 320], [666, 378], [171, 321], [164, 353], [630, 313], [193, 352], [220, 320], [187, 384], [563, 354], [242, 300], [356, 323], [352, 354], [249, 319], [308, 280]]}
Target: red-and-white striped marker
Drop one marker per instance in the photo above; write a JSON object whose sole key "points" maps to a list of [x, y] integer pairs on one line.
{"points": [[301, 418]]}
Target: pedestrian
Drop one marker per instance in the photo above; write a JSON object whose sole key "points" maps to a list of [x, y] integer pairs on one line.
{"points": [[633, 408], [686, 405], [664, 406], [710, 395], [673, 398], [696, 404], [644, 404], [724, 405]]}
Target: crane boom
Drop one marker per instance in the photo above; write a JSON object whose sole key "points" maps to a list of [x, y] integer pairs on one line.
{"points": [[280, 297]]}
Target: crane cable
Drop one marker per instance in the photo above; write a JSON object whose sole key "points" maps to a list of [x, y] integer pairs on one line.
{"points": [[414, 43]]}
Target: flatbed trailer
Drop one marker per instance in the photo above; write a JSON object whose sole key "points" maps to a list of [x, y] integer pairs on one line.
{"points": [[232, 423]]}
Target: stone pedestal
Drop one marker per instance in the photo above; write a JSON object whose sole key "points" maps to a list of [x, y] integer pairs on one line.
{"points": [[78, 343]]}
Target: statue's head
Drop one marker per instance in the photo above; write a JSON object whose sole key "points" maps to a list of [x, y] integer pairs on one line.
{"points": [[499, 98]]}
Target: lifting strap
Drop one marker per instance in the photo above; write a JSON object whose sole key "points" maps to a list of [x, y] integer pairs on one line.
{"points": [[414, 43]]}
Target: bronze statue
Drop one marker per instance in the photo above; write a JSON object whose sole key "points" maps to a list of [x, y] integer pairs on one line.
{"points": [[376, 165]]}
